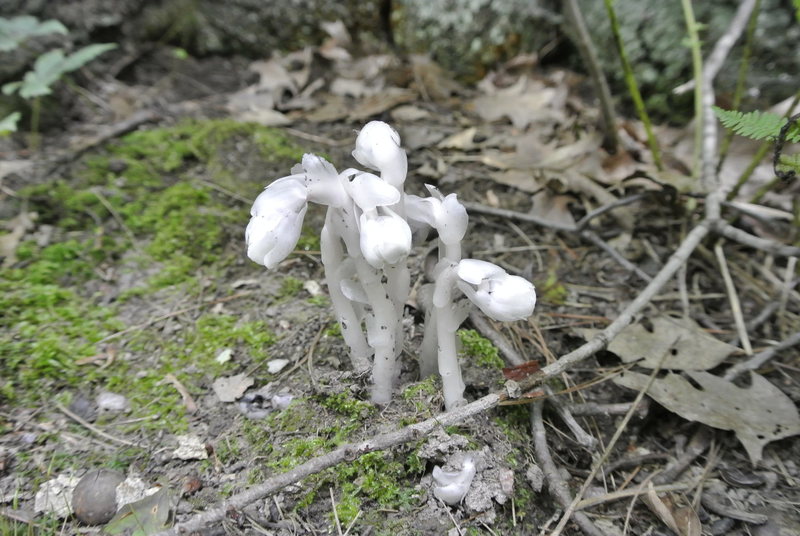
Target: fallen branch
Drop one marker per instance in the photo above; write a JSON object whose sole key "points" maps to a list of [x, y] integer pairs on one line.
{"points": [[417, 431], [557, 486]]}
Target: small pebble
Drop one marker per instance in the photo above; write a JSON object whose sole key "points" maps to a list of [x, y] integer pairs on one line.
{"points": [[281, 401], [94, 500], [111, 402]]}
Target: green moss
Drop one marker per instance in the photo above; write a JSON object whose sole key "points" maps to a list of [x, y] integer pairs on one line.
{"points": [[321, 424], [344, 404], [419, 394], [290, 286], [319, 301], [480, 348], [334, 329], [551, 290]]}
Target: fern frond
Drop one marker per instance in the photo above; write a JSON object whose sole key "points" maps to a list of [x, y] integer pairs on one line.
{"points": [[757, 125]]}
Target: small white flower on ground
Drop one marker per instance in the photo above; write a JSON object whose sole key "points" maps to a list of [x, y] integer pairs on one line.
{"points": [[276, 222], [452, 486], [501, 296]]}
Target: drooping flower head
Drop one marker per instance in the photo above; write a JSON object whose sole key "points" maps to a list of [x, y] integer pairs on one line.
{"points": [[378, 147], [444, 213], [501, 296], [276, 221], [385, 237]]}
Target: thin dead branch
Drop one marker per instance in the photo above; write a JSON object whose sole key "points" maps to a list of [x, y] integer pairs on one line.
{"points": [[558, 488]]}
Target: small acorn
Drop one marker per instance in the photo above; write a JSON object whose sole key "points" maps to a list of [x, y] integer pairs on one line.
{"points": [[94, 500]]}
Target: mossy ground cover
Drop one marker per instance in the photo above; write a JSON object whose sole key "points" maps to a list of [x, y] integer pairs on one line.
{"points": [[153, 202], [150, 225]]}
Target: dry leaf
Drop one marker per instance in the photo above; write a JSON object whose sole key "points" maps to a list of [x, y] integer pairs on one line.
{"points": [[380, 102], [681, 343], [528, 101], [18, 225], [232, 388], [554, 208], [680, 520], [431, 79], [757, 414], [409, 112], [460, 140], [520, 179]]}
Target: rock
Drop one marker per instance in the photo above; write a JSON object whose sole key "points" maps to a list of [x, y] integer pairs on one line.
{"points": [[654, 37], [94, 500], [113, 402], [55, 496], [190, 447]]}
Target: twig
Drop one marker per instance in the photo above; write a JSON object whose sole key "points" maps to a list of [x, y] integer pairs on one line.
{"points": [[583, 438], [341, 454], [419, 430], [724, 44], [599, 463], [760, 358], [188, 401], [622, 494], [335, 514], [697, 445], [558, 488], [621, 202], [713, 504], [729, 231], [733, 298], [741, 78], [587, 49], [587, 409], [614, 254], [89, 426]]}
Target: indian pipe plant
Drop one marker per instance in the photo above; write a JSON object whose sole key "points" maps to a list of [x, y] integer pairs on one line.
{"points": [[368, 233]]}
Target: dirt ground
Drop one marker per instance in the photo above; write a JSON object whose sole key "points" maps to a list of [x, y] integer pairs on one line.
{"points": [[127, 297]]}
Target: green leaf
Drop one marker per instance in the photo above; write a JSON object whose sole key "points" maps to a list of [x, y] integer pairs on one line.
{"points": [[46, 70], [11, 87], [143, 517], [9, 123], [78, 59], [50, 67], [17, 29], [757, 125]]}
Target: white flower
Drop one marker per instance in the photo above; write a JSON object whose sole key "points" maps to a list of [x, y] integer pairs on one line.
{"points": [[276, 222], [324, 184], [378, 147], [501, 296], [385, 237], [445, 214], [452, 486]]}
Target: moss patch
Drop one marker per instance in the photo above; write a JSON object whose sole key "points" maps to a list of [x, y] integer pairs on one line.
{"points": [[480, 349], [320, 424], [153, 202]]}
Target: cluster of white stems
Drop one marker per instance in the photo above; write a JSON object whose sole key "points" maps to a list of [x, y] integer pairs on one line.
{"points": [[369, 229]]}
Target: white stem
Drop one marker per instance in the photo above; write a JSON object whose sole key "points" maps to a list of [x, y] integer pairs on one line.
{"points": [[398, 281], [452, 383], [381, 329], [448, 318], [348, 317], [428, 349]]}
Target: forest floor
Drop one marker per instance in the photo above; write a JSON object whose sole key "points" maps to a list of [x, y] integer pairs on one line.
{"points": [[133, 322]]}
